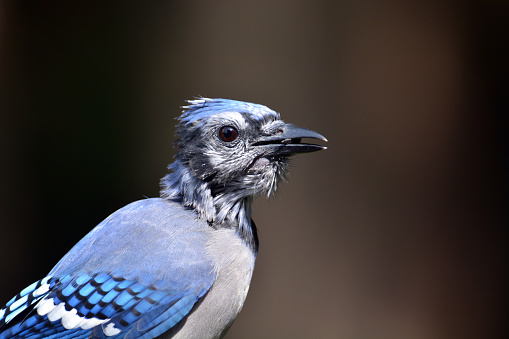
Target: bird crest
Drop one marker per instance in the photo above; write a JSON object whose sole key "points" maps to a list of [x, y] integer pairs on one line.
{"points": [[201, 108]]}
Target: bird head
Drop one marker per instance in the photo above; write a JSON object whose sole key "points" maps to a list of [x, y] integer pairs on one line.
{"points": [[230, 151]]}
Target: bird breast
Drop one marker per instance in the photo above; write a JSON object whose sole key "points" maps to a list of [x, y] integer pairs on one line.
{"points": [[234, 263]]}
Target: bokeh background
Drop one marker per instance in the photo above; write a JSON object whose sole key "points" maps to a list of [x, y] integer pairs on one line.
{"points": [[396, 231]]}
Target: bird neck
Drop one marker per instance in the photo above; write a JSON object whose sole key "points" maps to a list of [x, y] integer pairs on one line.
{"points": [[227, 208]]}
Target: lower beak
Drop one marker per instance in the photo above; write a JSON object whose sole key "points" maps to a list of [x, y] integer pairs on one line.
{"points": [[288, 141]]}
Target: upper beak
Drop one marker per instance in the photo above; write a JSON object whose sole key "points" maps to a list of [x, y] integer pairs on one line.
{"points": [[288, 141]]}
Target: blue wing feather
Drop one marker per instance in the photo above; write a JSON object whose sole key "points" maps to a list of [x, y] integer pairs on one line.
{"points": [[24, 302], [137, 274]]}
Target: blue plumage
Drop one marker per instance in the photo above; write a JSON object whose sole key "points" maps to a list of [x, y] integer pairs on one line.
{"points": [[203, 108], [179, 265], [99, 297]]}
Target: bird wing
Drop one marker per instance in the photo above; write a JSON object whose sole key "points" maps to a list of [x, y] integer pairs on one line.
{"points": [[120, 280]]}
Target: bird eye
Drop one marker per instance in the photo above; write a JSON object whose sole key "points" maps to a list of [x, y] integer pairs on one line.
{"points": [[228, 133]]}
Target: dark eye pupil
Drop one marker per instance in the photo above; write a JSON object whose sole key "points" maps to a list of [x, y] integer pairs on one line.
{"points": [[228, 133]]}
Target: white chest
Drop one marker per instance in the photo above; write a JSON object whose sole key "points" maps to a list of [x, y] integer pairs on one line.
{"points": [[234, 262]]}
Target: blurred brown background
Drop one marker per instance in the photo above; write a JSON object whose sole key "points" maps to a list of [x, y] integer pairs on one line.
{"points": [[396, 231]]}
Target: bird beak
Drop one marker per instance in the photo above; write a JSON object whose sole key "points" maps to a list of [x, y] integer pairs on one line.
{"points": [[287, 141]]}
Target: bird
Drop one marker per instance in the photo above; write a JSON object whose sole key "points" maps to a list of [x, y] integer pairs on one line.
{"points": [[178, 265]]}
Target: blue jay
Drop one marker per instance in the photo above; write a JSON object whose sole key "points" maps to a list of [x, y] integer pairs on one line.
{"points": [[178, 266]]}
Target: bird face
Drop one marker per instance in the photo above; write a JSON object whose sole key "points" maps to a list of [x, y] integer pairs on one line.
{"points": [[238, 146]]}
